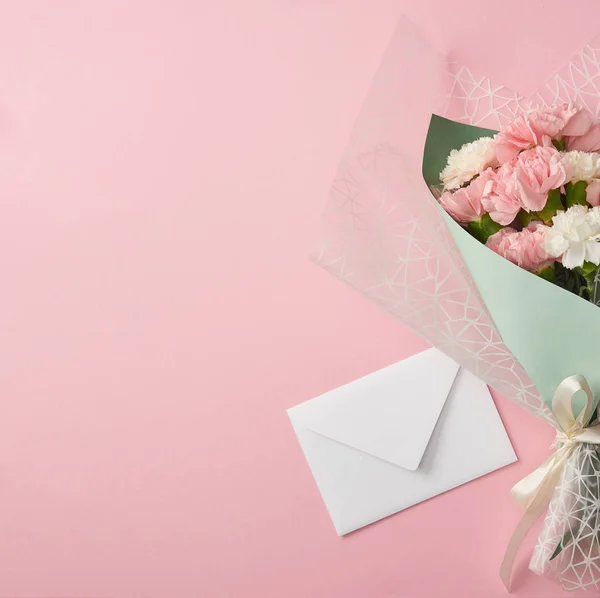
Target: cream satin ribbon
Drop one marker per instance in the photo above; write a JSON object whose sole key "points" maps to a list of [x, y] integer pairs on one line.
{"points": [[534, 492]]}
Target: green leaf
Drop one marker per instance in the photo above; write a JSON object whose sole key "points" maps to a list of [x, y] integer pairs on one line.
{"points": [[588, 270], [576, 193], [571, 280], [588, 275], [484, 228], [562, 545], [553, 205], [559, 144], [548, 273], [526, 217]]}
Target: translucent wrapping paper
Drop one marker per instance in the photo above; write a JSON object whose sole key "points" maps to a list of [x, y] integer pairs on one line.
{"points": [[385, 235]]}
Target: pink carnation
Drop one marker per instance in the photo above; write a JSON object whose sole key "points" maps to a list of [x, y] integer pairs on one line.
{"points": [[501, 201], [464, 205], [536, 172], [524, 248], [495, 241], [540, 127], [517, 136], [561, 120], [524, 183]]}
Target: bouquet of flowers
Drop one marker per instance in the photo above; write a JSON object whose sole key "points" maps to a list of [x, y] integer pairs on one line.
{"points": [[472, 214], [531, 193]]}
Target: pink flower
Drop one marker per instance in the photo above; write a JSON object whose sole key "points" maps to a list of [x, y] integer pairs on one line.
{"points": [[592, 193], [464, 205], [537, 171], [586, 142], [495, 241], [524, 183], [517, 136], [558, 121], [500, 199], [524, 248], [540, 127]]}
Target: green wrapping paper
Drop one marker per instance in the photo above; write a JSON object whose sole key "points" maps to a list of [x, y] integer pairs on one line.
{"points": [[553, 333]]}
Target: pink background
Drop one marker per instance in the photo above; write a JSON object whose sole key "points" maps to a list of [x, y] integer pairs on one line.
{"points": [[162, 169]]}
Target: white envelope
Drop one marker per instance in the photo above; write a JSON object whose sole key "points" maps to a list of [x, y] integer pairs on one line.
{"points": [[398, 437]]}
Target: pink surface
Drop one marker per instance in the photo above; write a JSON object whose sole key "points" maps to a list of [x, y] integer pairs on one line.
{"points": [[162, 169]]}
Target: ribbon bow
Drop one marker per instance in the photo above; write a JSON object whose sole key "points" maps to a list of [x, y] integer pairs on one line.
{"points": [[534, 492]]}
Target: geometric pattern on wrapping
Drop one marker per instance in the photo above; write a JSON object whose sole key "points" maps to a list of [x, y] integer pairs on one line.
{"points": [[393, 246], [577, 82], [476, 100], [573, 524]]}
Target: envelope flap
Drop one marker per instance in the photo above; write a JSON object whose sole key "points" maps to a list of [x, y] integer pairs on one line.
{"points": [[389, 414]]}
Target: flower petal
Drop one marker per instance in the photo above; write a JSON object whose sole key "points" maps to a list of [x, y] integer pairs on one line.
{"points": [[590, 142], [574, 256], [592, 192], [592, 252], [555, 245], [579, 124]]}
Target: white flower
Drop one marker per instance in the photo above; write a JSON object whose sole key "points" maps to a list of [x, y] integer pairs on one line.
{"points": [[575, 236], [467, 162], [585, 165]]}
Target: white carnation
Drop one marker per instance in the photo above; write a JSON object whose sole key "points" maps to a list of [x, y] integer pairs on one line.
{"points": [[585, 165], [467, 162], [575, 236]]}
